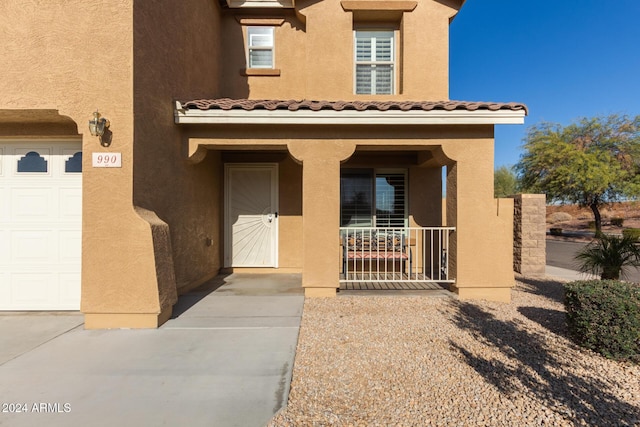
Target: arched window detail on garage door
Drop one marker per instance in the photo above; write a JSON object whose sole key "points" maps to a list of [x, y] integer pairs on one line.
{"points": [[74, 163], [32, 162]]}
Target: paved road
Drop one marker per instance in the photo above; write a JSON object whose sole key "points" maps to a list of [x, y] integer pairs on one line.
{"points": [[561, 254]]}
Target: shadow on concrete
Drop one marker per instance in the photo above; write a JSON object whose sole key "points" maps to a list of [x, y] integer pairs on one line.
{"points": [[539, 370], [191, 298], [251, 285]]}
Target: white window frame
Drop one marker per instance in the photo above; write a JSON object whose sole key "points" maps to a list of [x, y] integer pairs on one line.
{"points": [[374, 34], [252, 33]]}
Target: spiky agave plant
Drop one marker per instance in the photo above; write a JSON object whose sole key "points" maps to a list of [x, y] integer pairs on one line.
{"points": [[609, 256]]}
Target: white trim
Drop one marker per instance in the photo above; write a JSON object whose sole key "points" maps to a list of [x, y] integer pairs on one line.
{"points": [[348, 117]]}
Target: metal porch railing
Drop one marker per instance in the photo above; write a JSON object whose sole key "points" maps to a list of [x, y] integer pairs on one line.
{"points": [[408, 254]]}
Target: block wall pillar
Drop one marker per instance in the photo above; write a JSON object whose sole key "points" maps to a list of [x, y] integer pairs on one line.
{"points": [[529, 235]]}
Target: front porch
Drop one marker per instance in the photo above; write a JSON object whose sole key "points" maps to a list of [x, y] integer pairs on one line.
{"points": [[344, 171]]}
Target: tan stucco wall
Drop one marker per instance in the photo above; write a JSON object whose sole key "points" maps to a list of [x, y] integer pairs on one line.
{"points": [[425, 197], [289, 57], [182, 61], [290, 214], [56, 56], [483, 240], [62, 64], [315, 57]]}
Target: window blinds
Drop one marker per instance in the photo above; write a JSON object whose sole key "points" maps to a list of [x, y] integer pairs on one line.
{"points": [[260, 40], [370, 198], [374, 62]]}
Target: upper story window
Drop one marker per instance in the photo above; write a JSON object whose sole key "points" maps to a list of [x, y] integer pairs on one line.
{"points": [[374, 62], [260, 47]]}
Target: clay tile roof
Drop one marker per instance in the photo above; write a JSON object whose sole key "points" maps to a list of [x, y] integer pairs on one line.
{"points": [[295, 105]]}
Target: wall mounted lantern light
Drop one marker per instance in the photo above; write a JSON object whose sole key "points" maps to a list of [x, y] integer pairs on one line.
{"points": [[98, 125]]}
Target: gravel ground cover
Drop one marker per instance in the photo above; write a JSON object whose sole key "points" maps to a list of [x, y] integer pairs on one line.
{"points": [[421, 361]]}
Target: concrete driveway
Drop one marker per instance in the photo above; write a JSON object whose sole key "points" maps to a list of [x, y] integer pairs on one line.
{"points": [[225, 359]]}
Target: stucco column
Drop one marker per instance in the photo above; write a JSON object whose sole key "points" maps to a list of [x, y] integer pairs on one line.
{"points": [[482, 245], [320, 212]]}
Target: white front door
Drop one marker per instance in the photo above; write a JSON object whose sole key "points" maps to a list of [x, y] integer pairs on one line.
{"points": [[40, 225], [251, 215]]}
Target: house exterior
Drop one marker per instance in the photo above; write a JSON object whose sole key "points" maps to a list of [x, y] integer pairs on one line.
{"points": [[242, 136]]}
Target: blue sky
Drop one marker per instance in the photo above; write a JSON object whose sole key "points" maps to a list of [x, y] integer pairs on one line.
{"points": [[565, 59]]}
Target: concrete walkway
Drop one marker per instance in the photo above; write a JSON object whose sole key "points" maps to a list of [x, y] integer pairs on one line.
{"points": [[566, 275], [225, 359]]}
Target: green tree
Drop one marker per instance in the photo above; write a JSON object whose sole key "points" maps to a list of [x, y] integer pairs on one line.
{"points": [[592, 162], [505, 182]]}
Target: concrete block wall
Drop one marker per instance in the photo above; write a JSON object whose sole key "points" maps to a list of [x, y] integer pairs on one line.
{"points": [[529, 234]]}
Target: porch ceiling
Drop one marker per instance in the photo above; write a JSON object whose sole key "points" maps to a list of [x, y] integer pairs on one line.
{"points": [[245, 111]]}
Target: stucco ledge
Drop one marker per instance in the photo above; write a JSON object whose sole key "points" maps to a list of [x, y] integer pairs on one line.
{"points": [[319, 292], [126, 320], [502, 294]]}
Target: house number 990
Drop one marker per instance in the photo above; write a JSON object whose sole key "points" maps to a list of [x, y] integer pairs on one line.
{"points": [[107, 160]]}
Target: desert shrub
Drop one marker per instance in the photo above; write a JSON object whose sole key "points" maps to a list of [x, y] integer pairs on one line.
{"points": [[604, 316], [559, 217], [555, 231], [617, 221], [633, 233]]}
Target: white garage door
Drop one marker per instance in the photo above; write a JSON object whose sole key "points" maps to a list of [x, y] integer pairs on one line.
{"points": [[40, 225]]}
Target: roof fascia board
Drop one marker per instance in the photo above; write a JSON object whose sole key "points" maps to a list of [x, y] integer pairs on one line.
{"points": [[331, 117]]}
